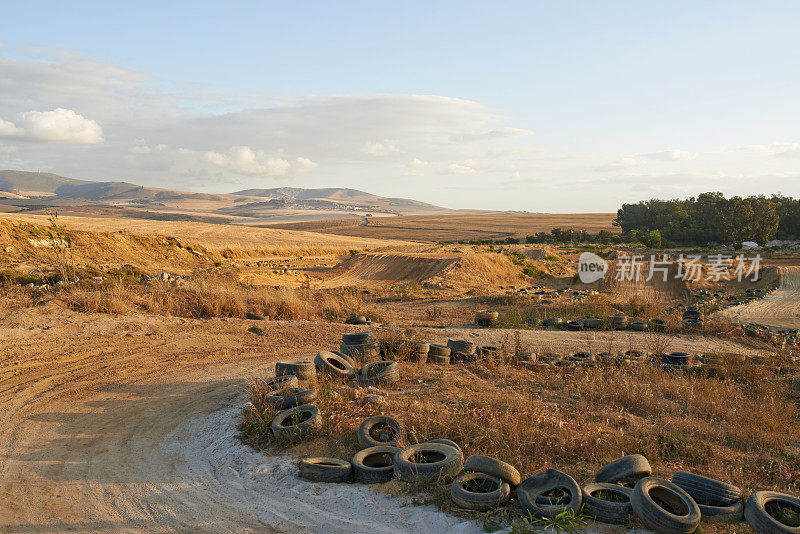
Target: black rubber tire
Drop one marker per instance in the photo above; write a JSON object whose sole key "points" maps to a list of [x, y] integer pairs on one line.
{"points": [[631, 467], [657, 325], [356, 319], [436, 358], [281, 382], [498, 495], [418, 357], [760, 520], [374, 465], [285, 428], [420, 348], [676, 358], [592, 322], [610, 512], [488, 351], [333, 365], [659, 519], [438, 350], [302, 370], [256, 317], [708, 491], [573, 326], [359, 338], [347, 357], [544, 481], [381, 430], [462, 346], [447, 442], [460, 357], [286, 398], [325, 470], [722, 514], [639, 326], [445, 464], [552, 322], [379, 374], [365, 353], [479, 463]]}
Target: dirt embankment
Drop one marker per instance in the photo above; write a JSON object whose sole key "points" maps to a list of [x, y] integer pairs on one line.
{"points": [[369, 270], [781, 308]]}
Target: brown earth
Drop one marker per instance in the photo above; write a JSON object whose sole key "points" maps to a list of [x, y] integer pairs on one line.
{"points": [[780, 308]]}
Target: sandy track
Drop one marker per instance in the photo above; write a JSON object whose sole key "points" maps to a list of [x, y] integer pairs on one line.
{"points": [[385, 269], [781, 308], [113, 424]]}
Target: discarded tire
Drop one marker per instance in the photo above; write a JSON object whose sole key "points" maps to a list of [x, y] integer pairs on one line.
{"points": [[459, 345], [381, 430], [463, 357], [357, 339], [418, 357], [290, 397], [626, 469], [705, 490], [302, 370], [552, 322], [664, 507], [357, 319], [447, 442], [347, 357], [438, 350], [296, 423], [363, 353], [333, 365], [436, 358], [607, 503], [639, 326], [592, 322], [374, 465], [487, 318], [618, 322], [479, 491], [573, 326], [658, 325], [545, 482], [325, 470], [428, 462], [281, 382], [721, 514], [420, 348], [490, 466], [675, 358], [379, 373], [758, 508]]}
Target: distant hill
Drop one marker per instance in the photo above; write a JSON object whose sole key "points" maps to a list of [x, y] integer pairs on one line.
{"points": [[341, 195], [36, 187], [21, 182]]}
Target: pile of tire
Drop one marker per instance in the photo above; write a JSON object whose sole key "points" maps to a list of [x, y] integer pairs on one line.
{"points": [[439, 354], [361, 347], [692, 319], [487, 318], [462, 351], [419, 352], [298, 417]]}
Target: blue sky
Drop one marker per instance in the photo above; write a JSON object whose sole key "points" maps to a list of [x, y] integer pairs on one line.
{"points": [[561, 106]]}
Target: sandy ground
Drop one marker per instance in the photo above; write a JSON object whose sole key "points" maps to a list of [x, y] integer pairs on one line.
{"points": [[125, 424], [781, 308]]}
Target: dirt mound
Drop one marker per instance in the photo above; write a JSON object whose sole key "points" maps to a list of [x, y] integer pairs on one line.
{"points": [[656, 288], [387, 269]]}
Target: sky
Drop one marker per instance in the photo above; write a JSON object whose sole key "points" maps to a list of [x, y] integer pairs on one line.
{"points": [[573, 106]]}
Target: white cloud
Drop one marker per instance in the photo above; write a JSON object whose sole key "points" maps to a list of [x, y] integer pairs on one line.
{"points": [[379, 149], [622, 163], [414, 172], [458, 168], [781, 150], [58, 125], [245, 160], [670, 155], [493, 135], [418, 163]]}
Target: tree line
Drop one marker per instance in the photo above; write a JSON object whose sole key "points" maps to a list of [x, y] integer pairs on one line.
{"points": [[712, 218]]}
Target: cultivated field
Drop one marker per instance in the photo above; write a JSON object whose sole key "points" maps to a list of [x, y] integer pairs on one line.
{"points": [[458, 227]]}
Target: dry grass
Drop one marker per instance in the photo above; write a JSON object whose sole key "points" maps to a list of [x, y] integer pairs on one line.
{"points": [[731, 427], [210, 294]]}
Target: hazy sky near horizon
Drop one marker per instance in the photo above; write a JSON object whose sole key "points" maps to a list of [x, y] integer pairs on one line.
{"points": [[540, 106]]}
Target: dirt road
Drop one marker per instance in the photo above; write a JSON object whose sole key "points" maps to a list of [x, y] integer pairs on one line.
{"points": [[128, 424], [780, 309]]}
